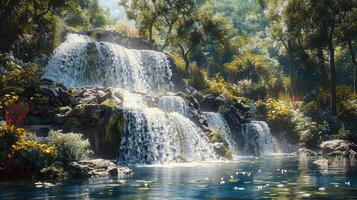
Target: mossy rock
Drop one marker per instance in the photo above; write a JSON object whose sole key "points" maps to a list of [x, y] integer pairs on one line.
{"points": [[109, 102]]}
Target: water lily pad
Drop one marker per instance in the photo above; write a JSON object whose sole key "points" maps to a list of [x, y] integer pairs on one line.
{"points": [[195, 181], [233, 180]]}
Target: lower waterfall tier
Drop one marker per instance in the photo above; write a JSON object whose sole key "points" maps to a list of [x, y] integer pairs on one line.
{"points": [[153, 136]]}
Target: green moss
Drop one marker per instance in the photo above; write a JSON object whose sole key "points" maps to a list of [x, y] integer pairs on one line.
{"points": [[109, 102], [223, 109], [216, 137], [228, 154]]}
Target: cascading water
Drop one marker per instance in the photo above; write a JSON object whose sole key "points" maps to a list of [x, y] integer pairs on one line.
{"points": [[81, 61], [219, 124], [173, 104], [151, 135], [257, 138]]}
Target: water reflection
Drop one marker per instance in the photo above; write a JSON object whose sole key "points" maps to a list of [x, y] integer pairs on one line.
{"points": [[273, 177]]}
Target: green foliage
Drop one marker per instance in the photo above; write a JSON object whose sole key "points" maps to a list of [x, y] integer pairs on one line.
{"points": [[86, 14], [217, 85], [28, 27], [197, 78], [216, 137], [343, 133], [9, 135], [307, 130], [70, 146], [277, 113], [52, 172], [21, 154], [18, 81]]}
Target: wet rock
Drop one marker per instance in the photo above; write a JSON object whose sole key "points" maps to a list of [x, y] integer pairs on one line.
{"points": [[57, 93], [97, 167], [101, 124], [335, 148], [306, 152], [323, 163], [110, 96], [220, 148]]}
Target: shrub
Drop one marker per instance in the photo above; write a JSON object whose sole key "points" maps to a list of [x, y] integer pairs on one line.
{"points": [[70, 146], [307, 130], [9, 135], [19, 81], [20, 154], [197, 78], [277, 113]]}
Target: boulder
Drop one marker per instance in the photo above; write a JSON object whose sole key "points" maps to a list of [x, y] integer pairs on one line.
{"points": [[110, 96], [322, 163], [306, 152], [220, 148], [336, 148], [97, 167], [57, 93], [101, 124]]}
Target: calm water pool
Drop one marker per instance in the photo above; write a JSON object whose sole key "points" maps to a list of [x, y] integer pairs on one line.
{"points": [[270, 177]]}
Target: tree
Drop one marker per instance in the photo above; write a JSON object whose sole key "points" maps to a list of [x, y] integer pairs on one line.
{"points": [[316, 24], [30, 24], [204, 33], [159, 14]]}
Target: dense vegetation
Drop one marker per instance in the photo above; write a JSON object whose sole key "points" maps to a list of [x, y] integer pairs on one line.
{"points": [[293, 61]]}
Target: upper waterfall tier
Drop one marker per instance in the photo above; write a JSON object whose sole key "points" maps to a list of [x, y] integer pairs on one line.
{"points": [[80, 61]]}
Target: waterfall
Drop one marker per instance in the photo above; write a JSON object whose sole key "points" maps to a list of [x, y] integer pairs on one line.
{"points": [[80, 61], [173, 104], [153, 136], [257, 138], [219, 124], [160, 134]]}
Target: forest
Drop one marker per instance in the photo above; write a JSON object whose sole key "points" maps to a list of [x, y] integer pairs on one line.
{"points": [[289, 63]]}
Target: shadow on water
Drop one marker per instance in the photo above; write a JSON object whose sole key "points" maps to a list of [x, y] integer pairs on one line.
{"points": [[269, 177]]}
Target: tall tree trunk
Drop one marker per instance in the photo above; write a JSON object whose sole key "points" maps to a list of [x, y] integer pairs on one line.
{"points": [[150, 33], [166, 42], [353, 58], [291, 68], [187, 62], [333, 77], [184, 55], [323, 72]]}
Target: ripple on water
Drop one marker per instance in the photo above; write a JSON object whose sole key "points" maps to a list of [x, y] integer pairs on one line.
{"points": [[202, 181]]}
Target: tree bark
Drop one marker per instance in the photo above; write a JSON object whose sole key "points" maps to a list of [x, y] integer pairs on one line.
{"points": [[168, 34], [291, 68], [353, 58], [184, 55], [333, 77], [324, 76]]}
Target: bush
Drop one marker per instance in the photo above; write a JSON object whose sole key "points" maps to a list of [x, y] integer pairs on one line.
{"points": [[197, 78], [21, 153], [307, 130], [70, 146], [277, 113], [19, 81]]}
